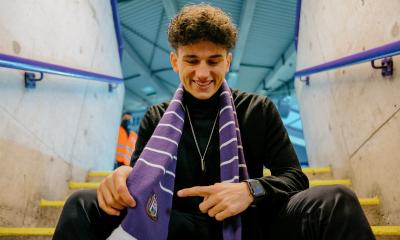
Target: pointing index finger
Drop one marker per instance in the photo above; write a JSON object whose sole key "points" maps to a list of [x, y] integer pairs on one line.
{"points": [[195, 191]]}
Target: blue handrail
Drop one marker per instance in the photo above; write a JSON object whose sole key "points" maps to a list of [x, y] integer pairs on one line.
{"points": [[117, 26], [297, 26], [387, 50], [9, 61]]}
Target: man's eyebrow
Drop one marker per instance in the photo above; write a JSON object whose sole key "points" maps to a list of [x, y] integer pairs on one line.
{"points": [[194, 56], [189, 56], [216, 56]]}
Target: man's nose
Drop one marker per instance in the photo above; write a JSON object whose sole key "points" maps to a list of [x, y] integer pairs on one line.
{"points": [[203, 71]]}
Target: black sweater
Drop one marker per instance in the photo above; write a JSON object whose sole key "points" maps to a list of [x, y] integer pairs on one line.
{"points": [[264, 139]]}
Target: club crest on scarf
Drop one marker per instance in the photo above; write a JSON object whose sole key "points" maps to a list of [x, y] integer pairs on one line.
{"points": [[152, 206]]}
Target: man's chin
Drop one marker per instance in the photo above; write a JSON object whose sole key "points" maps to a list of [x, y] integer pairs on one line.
{"points": [[202, 96]]}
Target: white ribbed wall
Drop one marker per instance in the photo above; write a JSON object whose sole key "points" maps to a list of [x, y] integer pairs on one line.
{"points": [[351, 115], [66, 126]]}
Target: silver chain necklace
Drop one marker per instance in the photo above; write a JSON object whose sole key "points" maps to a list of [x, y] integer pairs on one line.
{"points": [[194, 136]]}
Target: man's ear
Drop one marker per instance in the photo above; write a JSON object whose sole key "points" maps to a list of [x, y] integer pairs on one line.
{"points": [[228, 59], [174, 61]]}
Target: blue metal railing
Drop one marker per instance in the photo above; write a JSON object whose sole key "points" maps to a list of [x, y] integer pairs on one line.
{"points": [[387, 50], [25, 64], [9, 61], [297, 26], [117, 26]]}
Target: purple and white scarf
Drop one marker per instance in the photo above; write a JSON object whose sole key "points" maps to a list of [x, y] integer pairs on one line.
{"points": [[151, 182]]}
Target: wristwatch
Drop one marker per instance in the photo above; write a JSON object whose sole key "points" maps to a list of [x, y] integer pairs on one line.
{"points": [[256, 190]]}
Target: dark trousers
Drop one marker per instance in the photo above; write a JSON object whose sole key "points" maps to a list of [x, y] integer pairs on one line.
{"points": [[324, 212]]}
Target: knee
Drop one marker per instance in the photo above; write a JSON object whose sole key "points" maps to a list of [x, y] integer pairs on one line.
{"points": [[76, 197], [80, 198], [341, 193], [337, 196]]}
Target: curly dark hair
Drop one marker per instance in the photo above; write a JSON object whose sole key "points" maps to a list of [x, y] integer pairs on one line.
{"points": [[202, 22]]}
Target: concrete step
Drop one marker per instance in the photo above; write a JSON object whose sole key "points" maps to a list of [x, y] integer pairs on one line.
{"points": [[386, 232], [369, 201], [393, 231], [345, 182], [26, 233], [73, 187], [382, 232], [84, 184], [27, 237], [317, 177], [312, 173], [97, 176], [387, 237], [320, 173], [370, 207], [314, 183], [45, 203], [306, 170]]}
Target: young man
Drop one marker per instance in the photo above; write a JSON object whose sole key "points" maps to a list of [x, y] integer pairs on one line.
{"points": [[202, 206]]}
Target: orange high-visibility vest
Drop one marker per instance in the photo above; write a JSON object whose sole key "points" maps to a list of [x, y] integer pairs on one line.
{"points": [[121, 144], [130, 147], [125, 146]]}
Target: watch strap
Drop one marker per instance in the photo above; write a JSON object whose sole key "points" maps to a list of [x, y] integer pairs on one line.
{"points": [[258, 197]]}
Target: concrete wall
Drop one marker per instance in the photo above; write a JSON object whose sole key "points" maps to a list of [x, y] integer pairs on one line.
{"points": [[351, 115], [66, 126]]}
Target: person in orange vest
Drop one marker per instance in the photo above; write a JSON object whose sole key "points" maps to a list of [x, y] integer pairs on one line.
{"points": [[126, 143]]}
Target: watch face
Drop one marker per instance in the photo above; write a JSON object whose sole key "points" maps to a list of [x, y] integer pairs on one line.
{"points": [[257, 188]]}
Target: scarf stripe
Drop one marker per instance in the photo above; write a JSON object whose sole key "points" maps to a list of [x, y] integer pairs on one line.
{"points": [[169, 125], [231, 180], [166, 190], [165, 138], [229, 161], [151, 182], [152, 165], [226, 124], [175, 114]]}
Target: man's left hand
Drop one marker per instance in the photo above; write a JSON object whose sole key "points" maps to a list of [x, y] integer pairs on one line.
{"points": [[221, 200]]}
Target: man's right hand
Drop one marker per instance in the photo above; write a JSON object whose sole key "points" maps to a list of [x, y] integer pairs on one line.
{"points": [[113, 194]]}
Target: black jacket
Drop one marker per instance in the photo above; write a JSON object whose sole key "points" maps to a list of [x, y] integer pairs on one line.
{"points": [[265, 143]]}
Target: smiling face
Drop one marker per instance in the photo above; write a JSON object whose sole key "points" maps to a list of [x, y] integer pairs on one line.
{"points": [[201, 67]]}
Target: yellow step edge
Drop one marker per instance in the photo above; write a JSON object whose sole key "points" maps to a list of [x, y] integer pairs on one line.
{"points": [[96, 174], [316, 170], [377, 230], [386, 230], [84, 184], [306, 170], [369, 201], [312, 183], [346, 182], [266, 171], [44, 203], [26, 231]]}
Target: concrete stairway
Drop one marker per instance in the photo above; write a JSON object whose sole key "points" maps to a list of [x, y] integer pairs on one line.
{"points": [[51, 210]]}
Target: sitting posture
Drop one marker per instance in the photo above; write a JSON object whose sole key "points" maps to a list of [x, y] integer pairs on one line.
{"points": [[197, 170]]}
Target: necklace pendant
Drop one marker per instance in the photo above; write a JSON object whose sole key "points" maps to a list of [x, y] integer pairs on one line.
{"points": [[202, 164]]}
